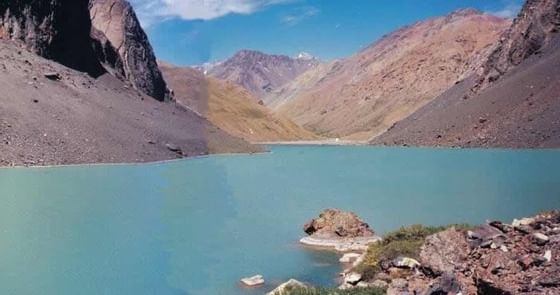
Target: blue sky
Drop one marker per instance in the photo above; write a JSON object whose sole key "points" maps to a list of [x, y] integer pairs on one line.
{"points": [[189, 32]]}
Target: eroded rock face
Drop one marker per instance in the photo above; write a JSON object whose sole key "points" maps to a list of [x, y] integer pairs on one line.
{"points": [[55, 29], [334, 223], [444, 251], [123, 47], [532, 30]]}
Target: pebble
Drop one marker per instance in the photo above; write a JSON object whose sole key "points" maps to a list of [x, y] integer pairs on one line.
{"points": [[541, 239]]}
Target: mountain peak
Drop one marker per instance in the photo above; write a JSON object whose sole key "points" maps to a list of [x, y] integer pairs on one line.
{"points": [[305, 56]]}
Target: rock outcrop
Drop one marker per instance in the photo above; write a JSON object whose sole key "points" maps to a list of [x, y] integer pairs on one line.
{"points": [[123, 47], [343, 231], [495, 258], [334, 223], [530, 32], [55, 29]]}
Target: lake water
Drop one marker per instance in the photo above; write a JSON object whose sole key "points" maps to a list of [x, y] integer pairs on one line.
{"points": [[197, 226]]}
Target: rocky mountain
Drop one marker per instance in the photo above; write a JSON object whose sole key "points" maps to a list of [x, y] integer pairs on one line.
{"points": [[363, 95], [123, 47], [260, 73], [512, 102], [230, 107]]}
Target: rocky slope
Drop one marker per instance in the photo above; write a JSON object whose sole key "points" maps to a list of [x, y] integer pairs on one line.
{"points": [[495, 258], [363, 95], [50, 114], [513, 102], [123, 47], [230, 107], [260, 73]]}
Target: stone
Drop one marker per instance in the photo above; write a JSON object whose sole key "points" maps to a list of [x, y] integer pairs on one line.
{"points": [[548, 255], [253, 281], [53, 76], [540, 238], [349, 257], [285, 287], [446, 284], [443, 251], [522, 221], [352, 278], [406, 262], [173, 148]]}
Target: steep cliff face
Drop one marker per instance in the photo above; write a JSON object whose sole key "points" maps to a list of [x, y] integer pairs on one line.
{"points": [[123, 47], [531, 31], [55, 29]]}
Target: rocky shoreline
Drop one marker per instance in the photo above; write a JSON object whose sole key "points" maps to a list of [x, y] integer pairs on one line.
{"points": [[494, 258]]}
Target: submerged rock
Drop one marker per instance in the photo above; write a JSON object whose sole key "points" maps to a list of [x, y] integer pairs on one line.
{"points": [[253, 281]]}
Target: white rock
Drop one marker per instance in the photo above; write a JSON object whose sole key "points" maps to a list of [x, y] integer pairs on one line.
{"points": [[281, 290], [523, 221], [406, 262], [349, 257], [352, 278], [548, 255], [504, 248], [253, 281], [541, 238]]}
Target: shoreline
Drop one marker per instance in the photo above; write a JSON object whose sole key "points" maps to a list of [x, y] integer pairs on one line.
{"points": [[340, 245], [280, 143]]}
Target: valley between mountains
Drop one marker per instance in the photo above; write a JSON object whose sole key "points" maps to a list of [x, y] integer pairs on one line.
{"points": [[94, 91]]}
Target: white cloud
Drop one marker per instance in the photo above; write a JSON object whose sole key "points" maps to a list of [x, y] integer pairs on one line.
{"points": [[299, 15], [151, 11], [510, 10]]}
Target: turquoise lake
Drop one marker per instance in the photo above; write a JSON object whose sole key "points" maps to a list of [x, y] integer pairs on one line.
{"points": [[197, 226]]}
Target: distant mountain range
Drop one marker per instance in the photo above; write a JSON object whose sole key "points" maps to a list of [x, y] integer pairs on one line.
{"points": [[261, 73]]}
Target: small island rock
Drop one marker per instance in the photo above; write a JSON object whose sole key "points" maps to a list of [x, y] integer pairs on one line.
{"points": [[253, 281], [343, 231]]}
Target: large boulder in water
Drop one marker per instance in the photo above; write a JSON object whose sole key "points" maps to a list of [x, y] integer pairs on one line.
{"points": [[334, 223]]}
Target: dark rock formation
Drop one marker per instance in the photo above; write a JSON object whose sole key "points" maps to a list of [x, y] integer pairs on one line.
{"points": [[532, 30], [55, 29], [333, 223], [123, 47]]}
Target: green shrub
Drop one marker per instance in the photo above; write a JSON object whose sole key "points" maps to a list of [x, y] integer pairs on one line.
{"points": [[314, 291]]}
